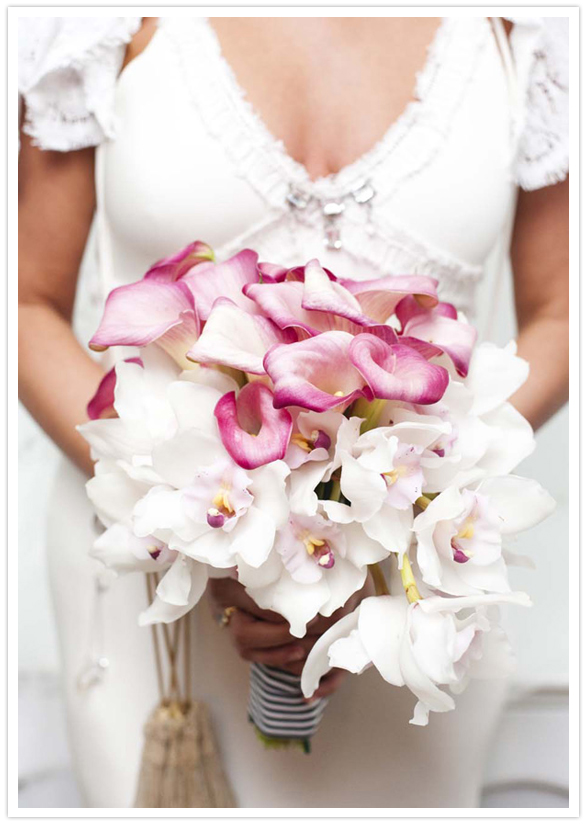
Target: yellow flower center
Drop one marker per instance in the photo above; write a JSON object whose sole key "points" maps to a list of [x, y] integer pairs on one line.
{"points": [[391, 476], [301, 441], [222, 502]]}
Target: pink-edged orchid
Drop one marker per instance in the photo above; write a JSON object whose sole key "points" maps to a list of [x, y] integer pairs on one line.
{"points": [[460, 533], [316, 374], [420, 645], [252, 430], [397, 371], [439, 326], [232, 337], [176, 266], [101, 404], [378, 298], [149, 311], [314, 567], [211, 281]]}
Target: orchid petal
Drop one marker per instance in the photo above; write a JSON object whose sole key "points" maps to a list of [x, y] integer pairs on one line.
{"points": [[162, 611], [397, 372], [316, 374], [521, 502], [317, 663], [495, 373], [234, 338], [382, 621], [251, 429]]}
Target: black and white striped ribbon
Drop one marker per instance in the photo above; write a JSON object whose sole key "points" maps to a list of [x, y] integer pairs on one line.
{"points": [[277, 707]]}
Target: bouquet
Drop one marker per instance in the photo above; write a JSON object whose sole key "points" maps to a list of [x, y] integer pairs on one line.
{"points": [[301, 432]]}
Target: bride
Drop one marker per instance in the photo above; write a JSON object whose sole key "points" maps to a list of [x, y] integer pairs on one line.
{"points": [[380, 145]]}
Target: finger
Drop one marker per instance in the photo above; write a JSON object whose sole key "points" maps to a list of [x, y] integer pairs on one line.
{"points": [[329, 684], [276, 656], [227, 592], [250, 632]]}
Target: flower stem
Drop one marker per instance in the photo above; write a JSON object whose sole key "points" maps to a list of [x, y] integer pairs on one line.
{"points": [[423, 502], [335, 491], [408, 581], [381, 588]]}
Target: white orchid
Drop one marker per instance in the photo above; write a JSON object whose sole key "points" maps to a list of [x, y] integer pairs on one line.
{"points": [[419, 645], [487, 436], [382, 478], [459, 535], [315, 567]]}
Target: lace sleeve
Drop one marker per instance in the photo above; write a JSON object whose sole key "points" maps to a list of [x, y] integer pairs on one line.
{"points": [[541, 52], [67, 74]]}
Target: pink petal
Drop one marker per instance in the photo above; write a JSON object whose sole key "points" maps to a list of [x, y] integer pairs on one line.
{"points": [[226, 280], [271, 273], [102, 403], [378, 298], [439, 326], [147, 311], [282, 302], [176, 266], [397, 372], [323, 294], [316, 374], [233, 337], [252, 430]]}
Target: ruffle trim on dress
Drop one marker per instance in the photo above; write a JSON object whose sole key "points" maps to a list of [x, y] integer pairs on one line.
{"points": [[68, 68], [261, 159]]}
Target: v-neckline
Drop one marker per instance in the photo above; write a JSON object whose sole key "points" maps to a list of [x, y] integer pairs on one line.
{"points": [[349, 172]]}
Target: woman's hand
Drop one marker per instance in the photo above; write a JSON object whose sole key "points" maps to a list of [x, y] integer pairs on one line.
{"points": [[263, 636]]}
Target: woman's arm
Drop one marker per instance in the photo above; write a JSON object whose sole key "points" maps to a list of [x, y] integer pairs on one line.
{"points": [[56, 377], [540, 261]]}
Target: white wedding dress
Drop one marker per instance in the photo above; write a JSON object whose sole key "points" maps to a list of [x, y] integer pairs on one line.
{"points": [[182, 156]]}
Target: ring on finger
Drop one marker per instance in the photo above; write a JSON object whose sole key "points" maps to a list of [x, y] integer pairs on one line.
{"points": [[225, 616]]}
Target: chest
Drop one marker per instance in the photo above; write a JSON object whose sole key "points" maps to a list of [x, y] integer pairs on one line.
{"points": [[329, 88], [194, 158]]}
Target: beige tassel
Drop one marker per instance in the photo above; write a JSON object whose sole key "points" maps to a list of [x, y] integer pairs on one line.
{"points": [[181, 766]]}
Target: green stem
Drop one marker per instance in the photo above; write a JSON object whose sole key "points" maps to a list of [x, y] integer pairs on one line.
{"points": [[335, 491], [381, 588], [409, 582]]}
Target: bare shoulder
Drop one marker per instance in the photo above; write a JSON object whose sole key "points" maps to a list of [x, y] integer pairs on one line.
{"points": [[141, 39]]}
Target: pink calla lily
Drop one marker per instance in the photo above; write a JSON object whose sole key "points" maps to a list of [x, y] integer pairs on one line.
{"points": [[252, 430], [210, 281], [316, 373], [176, 266], [283, 303], [378, 298], [234, 338], [323, 294], [439, 327], [396, 371], [148, 311], [101, 404]]}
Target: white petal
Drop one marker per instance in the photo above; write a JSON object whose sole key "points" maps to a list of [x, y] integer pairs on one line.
{"points": [[348, 653], [254, 536], [112, 548], [174, 587], [364, 488], [391, 528], [494, 375], [317, 663], [297, 603], [114, 495], [381, 626], [521, 502], [435, 603], [161, 611], [164, 509], [177, 460], [193, 405], [362, 549]]}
